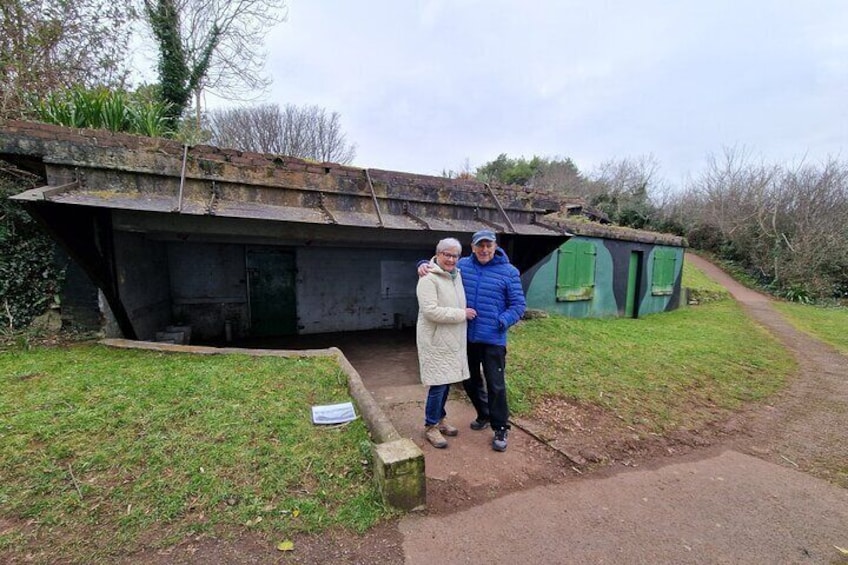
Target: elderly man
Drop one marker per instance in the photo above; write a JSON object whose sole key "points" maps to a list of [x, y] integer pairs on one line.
{"points": [[493, 289]]}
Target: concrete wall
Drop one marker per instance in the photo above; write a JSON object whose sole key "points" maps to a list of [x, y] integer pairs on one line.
{"points": [[540, 287], [340, 289], [208, 288], [203, 285], [79, 296], [143, 282]]}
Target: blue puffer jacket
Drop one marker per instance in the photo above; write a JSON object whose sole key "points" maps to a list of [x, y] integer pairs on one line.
{"points": [[494, 290]]}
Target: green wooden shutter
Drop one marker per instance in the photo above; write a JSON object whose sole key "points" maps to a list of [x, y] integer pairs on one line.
{"points": [[576, 271], [662, 283]]}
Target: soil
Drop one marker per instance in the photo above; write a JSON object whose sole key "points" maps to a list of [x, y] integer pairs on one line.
{"points": [[803, 428]]}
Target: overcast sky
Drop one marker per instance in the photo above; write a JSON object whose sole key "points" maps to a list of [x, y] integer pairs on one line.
{"points": [[423, 86]]}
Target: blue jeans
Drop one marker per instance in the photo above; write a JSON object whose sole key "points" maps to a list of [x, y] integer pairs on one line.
{"points": [[437, 397]]}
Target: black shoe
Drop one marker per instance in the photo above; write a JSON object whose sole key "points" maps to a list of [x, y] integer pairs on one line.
{"points": [[480, 424], [499, 441]]}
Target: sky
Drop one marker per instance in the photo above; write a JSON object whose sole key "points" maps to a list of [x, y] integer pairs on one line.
{"points": [[431, 85]]}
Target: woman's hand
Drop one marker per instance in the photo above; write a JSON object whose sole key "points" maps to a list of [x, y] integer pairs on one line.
{"points": [[470, 313]]}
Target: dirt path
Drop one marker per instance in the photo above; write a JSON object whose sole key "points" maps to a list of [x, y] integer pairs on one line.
{"points": [[806, 426]]}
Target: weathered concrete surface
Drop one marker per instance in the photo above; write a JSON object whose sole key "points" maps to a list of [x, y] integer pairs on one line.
{"points": [[117, 170], [122, 171], [399, 474], [728, 508]]}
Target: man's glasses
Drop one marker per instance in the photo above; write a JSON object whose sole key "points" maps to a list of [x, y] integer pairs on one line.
{"points": [[449, 255]]}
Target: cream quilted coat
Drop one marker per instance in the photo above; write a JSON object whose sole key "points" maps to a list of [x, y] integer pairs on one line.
{"points": [[441, 328]]}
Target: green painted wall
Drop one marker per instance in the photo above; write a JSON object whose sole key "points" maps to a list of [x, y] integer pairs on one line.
{"points": [[540, 287], [612, 265], [650, 303]]}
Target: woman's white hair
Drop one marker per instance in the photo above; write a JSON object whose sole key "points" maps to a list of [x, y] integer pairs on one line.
{"points": [[449, 243]]}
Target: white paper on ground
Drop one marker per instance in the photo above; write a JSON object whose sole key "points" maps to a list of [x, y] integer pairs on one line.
{"points": [[333, 413]]}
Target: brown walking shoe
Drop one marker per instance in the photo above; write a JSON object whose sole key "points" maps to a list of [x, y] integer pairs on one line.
{"points": [[447, 429], [435, 437]]}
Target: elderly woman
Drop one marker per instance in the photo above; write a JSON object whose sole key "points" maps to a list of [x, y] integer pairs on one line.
{"points": [[441, 337]]}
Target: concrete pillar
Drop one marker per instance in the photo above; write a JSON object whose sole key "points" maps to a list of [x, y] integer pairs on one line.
{"points": [[399, 473]]}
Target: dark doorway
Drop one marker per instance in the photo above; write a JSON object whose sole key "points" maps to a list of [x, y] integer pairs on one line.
{"points": [[271, 286], [634, 274]]}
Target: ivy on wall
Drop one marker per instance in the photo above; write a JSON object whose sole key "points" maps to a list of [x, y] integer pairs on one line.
{"points": [[29, 278]]}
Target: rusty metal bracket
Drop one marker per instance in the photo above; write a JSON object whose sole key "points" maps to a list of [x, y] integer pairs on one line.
{"points": [[500, 208], [179, 207], [326, 210], [495, 226], [213, 200], [415, 218], [374, 198]]}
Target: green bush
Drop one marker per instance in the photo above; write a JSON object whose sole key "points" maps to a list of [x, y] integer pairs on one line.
{"points": [[29, 279]]}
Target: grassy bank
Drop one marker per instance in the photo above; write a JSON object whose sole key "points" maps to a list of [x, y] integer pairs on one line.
{"points": [[648, 371], [702, 289], [827, 324], [102, 450], [660, 372]]}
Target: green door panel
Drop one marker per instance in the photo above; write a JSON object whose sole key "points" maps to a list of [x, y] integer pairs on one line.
{"points": [[632, 285], [271, 282]]}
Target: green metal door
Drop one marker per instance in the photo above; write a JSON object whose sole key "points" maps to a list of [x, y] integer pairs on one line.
{"points": [[271, 283], [630, 308]]}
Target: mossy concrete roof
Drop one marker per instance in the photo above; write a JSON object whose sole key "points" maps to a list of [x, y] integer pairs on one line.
{"points": [[127, 172]]}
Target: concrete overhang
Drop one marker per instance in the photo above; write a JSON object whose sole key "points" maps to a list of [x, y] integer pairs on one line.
{"points": [[163, 187], [126, 173]]}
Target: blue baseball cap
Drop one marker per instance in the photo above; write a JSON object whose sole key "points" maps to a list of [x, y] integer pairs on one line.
{"points": [[483, 235]]}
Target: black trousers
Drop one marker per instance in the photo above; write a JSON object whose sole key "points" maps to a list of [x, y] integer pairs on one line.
{"points": [[489, 400]]}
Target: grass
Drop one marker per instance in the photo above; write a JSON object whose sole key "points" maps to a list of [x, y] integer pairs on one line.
{"points": [[702, 289], [103, 450], [665, 371], [827, 324], [661, 365], [98, 108]]}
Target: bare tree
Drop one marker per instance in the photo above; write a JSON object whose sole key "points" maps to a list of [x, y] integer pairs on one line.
{"points": [[809, 231], [307, 132], [561, 175], [465, 171], [726, 207], [786, 226], [218, 44], [623, 189], [47, 45]]}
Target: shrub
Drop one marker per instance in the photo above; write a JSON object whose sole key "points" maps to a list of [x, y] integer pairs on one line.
{"points": [[29, 279]]}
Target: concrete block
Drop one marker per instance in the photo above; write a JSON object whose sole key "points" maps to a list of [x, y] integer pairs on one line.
{"points": [[186, 330], [399, 473], [171, 337]]}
